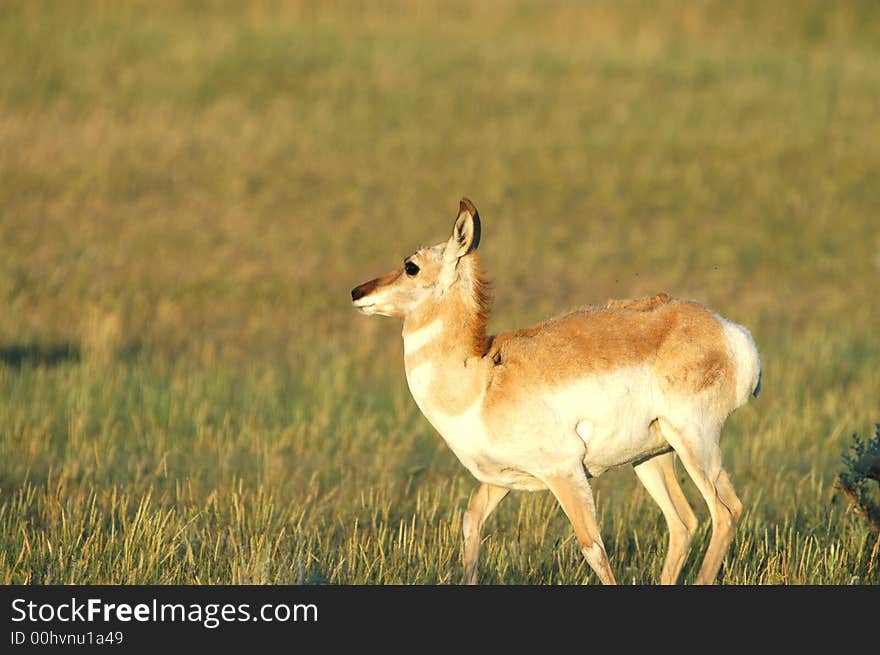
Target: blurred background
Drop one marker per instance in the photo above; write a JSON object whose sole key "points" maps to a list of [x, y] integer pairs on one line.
{"points": [[189, 190]]}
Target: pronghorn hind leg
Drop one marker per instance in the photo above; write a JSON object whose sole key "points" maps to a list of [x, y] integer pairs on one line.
{"points": [[576, 497], [728, 496], [658, 476], [700, 453], [482, 503]]}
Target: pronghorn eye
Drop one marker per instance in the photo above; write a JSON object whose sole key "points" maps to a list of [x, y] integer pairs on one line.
{"points": [[411, 269]]}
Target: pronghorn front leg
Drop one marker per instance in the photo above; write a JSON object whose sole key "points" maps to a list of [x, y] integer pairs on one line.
{"points": [[576, 497], [482, 503]]}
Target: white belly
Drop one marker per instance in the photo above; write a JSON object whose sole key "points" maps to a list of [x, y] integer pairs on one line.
{"points": [[605, 420], [612, 414]]}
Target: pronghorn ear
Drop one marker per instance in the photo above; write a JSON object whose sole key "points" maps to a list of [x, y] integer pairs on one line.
{"points": [[465, 233]]}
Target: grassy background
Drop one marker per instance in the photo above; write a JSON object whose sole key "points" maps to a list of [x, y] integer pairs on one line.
{"points": [[188, 191]]}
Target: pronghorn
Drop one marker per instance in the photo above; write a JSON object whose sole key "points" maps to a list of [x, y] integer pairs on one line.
{"points": [[634, 382]]}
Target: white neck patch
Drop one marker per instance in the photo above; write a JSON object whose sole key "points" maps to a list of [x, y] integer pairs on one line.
{"points": [[418, 339]]}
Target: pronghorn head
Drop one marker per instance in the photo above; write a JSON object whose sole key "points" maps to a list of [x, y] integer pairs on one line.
{"points": [[427, 273]]}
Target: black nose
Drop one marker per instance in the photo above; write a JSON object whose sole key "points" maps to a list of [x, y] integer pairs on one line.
{"points": [[356, 293]]}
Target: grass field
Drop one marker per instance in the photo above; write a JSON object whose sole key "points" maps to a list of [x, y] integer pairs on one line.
{"points": [[188, 191]]}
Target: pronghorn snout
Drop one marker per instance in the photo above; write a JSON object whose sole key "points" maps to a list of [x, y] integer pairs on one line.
{"points": [[359, 296], [377, 296], [359, 292], [364, 290]]}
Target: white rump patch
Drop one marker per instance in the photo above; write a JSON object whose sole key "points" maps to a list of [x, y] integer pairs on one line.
{"points": [[746, 360]]}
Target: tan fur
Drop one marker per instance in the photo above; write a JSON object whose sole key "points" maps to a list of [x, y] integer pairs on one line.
{"points": [[681, 340], [467, 303], [640, 304]]}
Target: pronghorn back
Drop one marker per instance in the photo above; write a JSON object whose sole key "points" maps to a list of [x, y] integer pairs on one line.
{"points": [[690, 350]]}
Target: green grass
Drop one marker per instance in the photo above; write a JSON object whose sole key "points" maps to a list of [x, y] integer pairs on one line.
{"points": [[189, 191]]}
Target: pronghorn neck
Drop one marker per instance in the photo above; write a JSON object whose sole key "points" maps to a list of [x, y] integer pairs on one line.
{"points": [[442, 339], [456, 318]]}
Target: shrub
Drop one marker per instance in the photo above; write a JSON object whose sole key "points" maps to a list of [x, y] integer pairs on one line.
{"points": [[861, 466]]}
